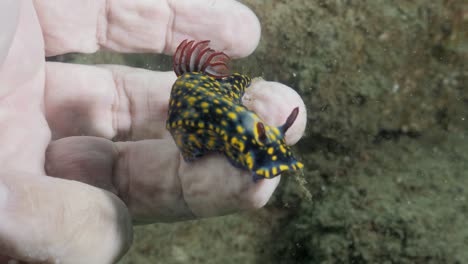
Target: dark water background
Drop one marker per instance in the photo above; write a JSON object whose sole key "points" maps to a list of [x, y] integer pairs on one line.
{"points": [[386, 148]]}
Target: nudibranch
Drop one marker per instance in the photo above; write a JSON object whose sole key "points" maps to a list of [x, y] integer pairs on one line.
{"points": [[206, 115]]}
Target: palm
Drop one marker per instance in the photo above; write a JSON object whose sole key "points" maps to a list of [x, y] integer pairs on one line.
{"points": [[22, 91]]}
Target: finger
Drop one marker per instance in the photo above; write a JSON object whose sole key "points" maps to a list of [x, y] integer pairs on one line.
{"points": [[273, 102], [113, 102], [50, 220], [154, 182], [123, 103], [146, 26]]}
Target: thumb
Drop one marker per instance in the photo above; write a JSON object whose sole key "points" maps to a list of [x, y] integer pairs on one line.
{"points": [[50, 220]]}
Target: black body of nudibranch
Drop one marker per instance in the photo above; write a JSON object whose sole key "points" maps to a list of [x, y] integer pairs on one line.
{"points": [[206, 115]]}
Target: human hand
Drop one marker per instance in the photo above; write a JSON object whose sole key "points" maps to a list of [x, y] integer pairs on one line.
{"points": [[89, 111]]}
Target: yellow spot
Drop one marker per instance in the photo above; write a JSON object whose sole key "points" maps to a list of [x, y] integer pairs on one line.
{"points": [[216, 101], [201, 124], [259, 172], [187, 122], [234, 140], [293, 167], [218, 111], [237, 144], [203, 78], [267, 174], [186, 114], [224, 123], [274, 171], [206, 85], [300, 165], [270, 151], [283, 167], [204, 105], [276, 131], [274, 157], [206, 111], [239, 109], [179, 104], [241, 146], [240, 129], [244, 137], [179, 122], [249, 161], [210, 126], [282, 148], [194, 139], [232, 115], [210, 143]]}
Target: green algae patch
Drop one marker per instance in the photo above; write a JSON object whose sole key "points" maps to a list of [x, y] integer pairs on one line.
{"points": [[404, 203]]}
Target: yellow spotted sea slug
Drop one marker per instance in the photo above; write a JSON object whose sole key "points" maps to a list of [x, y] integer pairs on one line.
{"points": [[206, 115]]}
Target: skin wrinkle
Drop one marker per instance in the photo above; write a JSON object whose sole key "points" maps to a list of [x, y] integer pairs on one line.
{"points": [[187, 205], [170, 27], [130, 110], [121, 93], [115, 108], [102, 26]]}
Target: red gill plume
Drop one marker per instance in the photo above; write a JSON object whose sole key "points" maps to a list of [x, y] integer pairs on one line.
{"points": [[191, 56]]}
